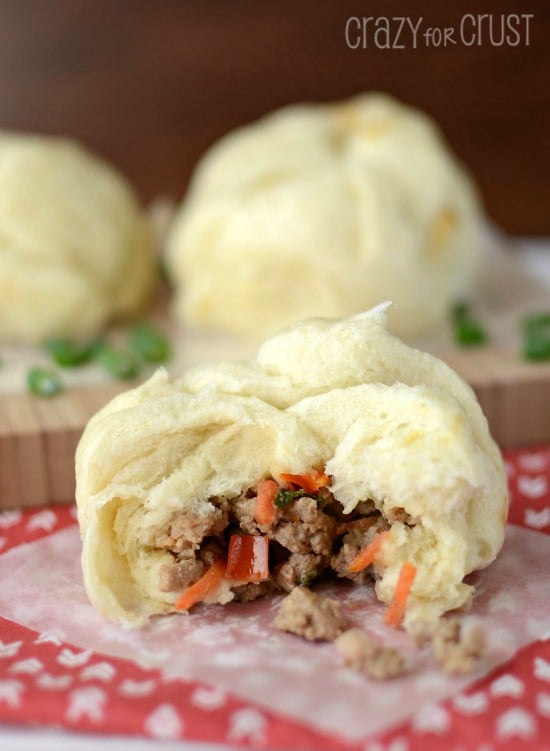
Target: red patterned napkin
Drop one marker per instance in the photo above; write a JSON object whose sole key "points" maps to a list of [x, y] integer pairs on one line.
{"points": [[45, 680]]}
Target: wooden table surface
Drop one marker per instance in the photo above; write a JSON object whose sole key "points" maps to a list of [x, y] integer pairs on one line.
{"points": [[150, 85]]}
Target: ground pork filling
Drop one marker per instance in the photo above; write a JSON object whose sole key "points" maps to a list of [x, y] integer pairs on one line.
{"points": [[309, 536]]}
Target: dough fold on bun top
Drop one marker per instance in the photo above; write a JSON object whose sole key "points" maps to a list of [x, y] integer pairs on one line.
{"points": [[326, 210], [75, 248], [391, 427]]}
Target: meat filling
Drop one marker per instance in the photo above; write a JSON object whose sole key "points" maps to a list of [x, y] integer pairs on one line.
{"points": [[299, 570], [308, 535], [307, 614], [304, 528], [356, 535], [361, 653], [458, 649]]}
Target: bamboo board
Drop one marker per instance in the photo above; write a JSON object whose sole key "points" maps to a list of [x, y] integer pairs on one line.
{"points": [[38, 437]]}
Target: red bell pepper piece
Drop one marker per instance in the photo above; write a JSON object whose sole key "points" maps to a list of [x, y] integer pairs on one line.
{"points": [[248, 558]]}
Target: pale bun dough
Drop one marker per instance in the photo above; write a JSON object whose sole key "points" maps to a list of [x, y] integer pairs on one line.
{"points": [[326, 210], [387, 421], [75, 248]]}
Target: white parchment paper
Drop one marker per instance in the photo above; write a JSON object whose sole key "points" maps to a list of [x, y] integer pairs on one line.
{"points": [[237, 648]]}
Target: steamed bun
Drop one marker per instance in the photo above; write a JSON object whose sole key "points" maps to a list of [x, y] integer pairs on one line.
{"points": [[326, 210], [75, 248], [386, 422]]}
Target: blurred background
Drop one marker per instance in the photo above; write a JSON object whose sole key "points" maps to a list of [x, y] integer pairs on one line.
{"points": [[151, 84]]}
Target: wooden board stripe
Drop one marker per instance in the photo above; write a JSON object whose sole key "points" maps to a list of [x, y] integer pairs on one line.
{"points": [[38, 439]]}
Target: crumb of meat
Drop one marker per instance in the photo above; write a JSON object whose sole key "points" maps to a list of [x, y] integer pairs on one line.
{"points": [[325, 497], [252, 590], [243, 512], [357, 525], [365, 507], [177, 576], [357, 535], [210, 551], [193, 527], [189, 528], [188, 567], [457, 648], [368, 657], [304, 528], [397, 514], [299, 569], [422, 632], [164, 541], [309, 615]]}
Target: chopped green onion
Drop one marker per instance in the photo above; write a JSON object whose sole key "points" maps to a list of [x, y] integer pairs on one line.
{"points": [[467, 331], [536, 337], [149, 343], [537, 322], [536, 347], [118, 363], [44, 382], [284, 497], [69, 354]]}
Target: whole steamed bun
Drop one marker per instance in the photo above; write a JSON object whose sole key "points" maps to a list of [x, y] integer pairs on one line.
{"points": [[75, 248], [326, 210], [385, 421]]}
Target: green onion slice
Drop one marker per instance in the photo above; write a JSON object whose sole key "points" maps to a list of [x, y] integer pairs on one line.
{"points": [[44, 382], [536, 337], [118, 363], [536, 347], [467, 331], [285, 497], [149, 344], [539, 322], [69, 354]]}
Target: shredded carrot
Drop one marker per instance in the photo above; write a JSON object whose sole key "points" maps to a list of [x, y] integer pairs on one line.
{"points": [[206, 584], [264, 508], [396, 610], [366, 556], [310, 482]]}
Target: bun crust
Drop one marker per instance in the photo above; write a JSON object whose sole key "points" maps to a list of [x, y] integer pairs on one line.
{"points": [[75, 247], [326, 210], [387, 423]]}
